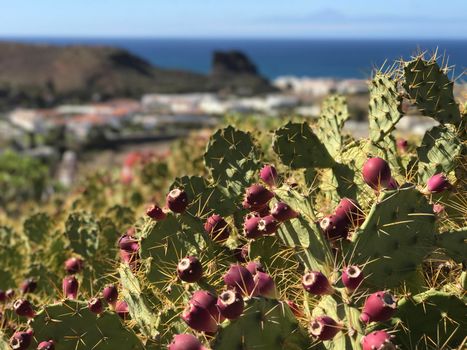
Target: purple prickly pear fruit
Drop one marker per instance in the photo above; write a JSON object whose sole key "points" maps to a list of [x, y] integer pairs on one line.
{"points": [[177, 200], [335, 226], [268, 225], [110, 294], [352, 210], [28, 286], [2, 296], [128, 243], [324, 328], [121, 308], [230, 304], [378, 307], [70, 287], [199, 319], [95, 305], [265, 285], [240, 279], [185, 342], [217, 228], [10, 294], [377, 340], [156, 213], [241, 253], [74, 265], [254, 266], [130, 258], [263, 211], [438, 208], [392, 184], [376, 173], [295, 309], [189, 269], [283, 212], [316, 283], [46, 345], [269, 175], [352, 277], [207, 300], [250, 227], [402, 145], [437, 183], [21, 340], [256, 197], [23, 308]]}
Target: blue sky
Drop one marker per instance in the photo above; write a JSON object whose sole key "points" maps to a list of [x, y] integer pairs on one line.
{"points": [[235, 18]]}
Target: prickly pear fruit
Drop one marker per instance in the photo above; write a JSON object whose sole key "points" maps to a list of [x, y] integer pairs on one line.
{"points": [[156, 213], [392, 184], [21, 340], [265, 285], [250, 227], [351, 209], [121, 308], [352, 277], [185, 342], [74, 265], [24, 308], [437, 183], [256, 197], [177, 200], [217, 228], [95, 305], [295, 309], [268, 225], [207, 300], [316, 283], [438, 208], [376, 173], [377, 340], [46, 345], [254, 266], [189, 269], [335, 226], [240, 279], [283, 212], [199, 318], [241, 253], [70, 287], [28, 286], [378, 307], [2, 296], [402, 145], [110, 294], [230, 304], [324, 328], [269, 175], [128, 243]]}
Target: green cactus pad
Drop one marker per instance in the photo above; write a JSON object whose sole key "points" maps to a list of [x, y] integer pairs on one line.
{"points": [[14, 257], [265, 324], [37, 227], [395, 237], [298, 147], [82, 230], [384, 109], [429, 86], [71, 325], [454, 244]]}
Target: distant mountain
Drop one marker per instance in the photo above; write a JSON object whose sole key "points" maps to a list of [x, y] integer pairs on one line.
{"points": [[45, 74]]}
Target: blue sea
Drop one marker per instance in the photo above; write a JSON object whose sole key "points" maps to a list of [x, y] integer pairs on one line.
{"points": [[299, 57]]}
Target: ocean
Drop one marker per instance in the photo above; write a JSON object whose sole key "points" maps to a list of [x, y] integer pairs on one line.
{"points": [[277, 57]]}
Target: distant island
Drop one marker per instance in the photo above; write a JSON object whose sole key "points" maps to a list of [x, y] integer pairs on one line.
{"points": [[44, 75]]}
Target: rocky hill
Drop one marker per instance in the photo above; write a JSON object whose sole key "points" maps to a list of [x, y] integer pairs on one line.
{"points": [[44, 74]]}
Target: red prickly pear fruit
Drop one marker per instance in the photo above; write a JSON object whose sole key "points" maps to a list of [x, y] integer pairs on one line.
{"points": [[378, 307], [240, 279], [230, 304], [28, 286], [185, 342], [376, 173], [207, 300], [269, 175], [70, 287], [268, 225], [254, 266], [21, 340], [2, 296], [46, 345], [437, 183], [264, 285], [155, 213], [392, 184], [256, 197], [128, 244], [263, 211], [177, 200], [352, 277], [283, 212], [23, 308], [74, 265], [10, 294], [295, 309], [110, 294], [335, 226], [121, 308], [130, 258], [199, 319], [324, 328], [217, 228], [402, 145], [189, 269], [250, 227], [377, 340], [95, 305], [438, 208], [352, 210], [316, 283]]}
